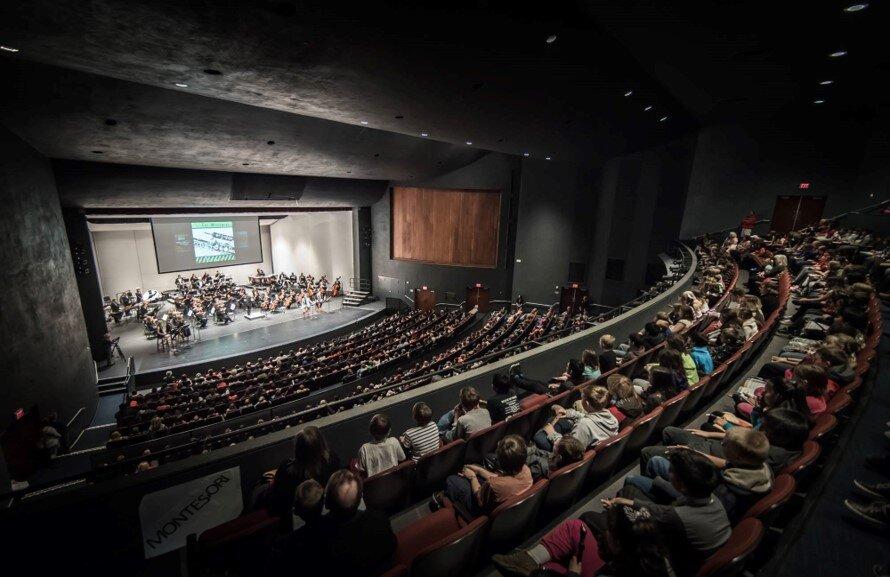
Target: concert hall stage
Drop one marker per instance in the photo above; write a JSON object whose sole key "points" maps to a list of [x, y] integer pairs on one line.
{"points": [[241, 338]]}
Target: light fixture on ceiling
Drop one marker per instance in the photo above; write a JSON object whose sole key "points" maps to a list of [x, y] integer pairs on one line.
{"points": [[96, 151], [855, 7], [826, 82], [364, 122], [270, 142], [469, 143], [551, 39], [818, 101], [525, 154], [212, 72], [838, 54], [628, 93], [662, 119], [9, 49], [181, 84], [245, 164], [546, 158], [424, 134], [648, 108]]}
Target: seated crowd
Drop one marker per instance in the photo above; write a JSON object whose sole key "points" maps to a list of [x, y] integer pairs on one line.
{"points": [[691, 488]]}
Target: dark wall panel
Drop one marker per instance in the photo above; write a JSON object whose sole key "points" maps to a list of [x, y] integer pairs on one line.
{"points": [[446, 226], [46, 358]]}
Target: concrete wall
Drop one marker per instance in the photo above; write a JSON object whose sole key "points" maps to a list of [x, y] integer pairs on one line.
{"points": [[315, 243], [46, 358], [389, 276], [126, 260]]}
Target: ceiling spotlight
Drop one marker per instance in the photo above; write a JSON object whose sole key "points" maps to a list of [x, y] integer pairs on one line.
{"points": [[662, 119], [838, 54], [855, 7], [819, 101], [629, 92], [364, 122], [469, 143], [424, 134], [552, 38], [525, 154], [826, 82], [181, 84], [648, 108], [9, 49], [546, 158]]}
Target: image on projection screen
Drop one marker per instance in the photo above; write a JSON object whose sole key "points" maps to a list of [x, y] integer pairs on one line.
{"points": [[183, 243]]}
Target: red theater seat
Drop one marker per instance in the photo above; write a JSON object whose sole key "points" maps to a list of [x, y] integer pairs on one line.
{"points": [[390, 490], [440, 544], [729, 560]]}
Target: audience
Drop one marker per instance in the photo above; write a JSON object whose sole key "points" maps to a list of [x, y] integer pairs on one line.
{"points": [[383, 452], [591, 424], [424, 438], [466, 418]]}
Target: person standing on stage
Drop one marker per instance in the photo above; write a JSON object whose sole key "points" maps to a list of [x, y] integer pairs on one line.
{"points": [[111, 345]]}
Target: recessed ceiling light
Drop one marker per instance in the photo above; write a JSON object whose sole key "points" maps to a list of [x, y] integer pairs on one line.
{"points": [[855, 7], [424, 134], [364, 121], [110, 122], [629, 92], [469, 143], [648, 108], [546, 158], [9, 49], [525, 154], [551, 39], [662, 119], [270, 142], [398, 117], [838, 54], [826, 82], [181, 84], [818, 101]]}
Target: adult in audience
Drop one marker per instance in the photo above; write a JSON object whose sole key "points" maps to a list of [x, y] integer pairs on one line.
{"points": [[423, 438], [383, 452], [292, 549], [505, 402], [312, 460]]}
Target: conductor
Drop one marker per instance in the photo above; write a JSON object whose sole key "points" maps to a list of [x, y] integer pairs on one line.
{"points": [[111, 345]]}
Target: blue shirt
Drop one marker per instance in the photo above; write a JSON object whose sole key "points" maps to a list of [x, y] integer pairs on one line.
{"points": [[702, 357]]}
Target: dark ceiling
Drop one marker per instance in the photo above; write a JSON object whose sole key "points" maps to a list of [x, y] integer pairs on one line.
{"points": [[309, 75]]}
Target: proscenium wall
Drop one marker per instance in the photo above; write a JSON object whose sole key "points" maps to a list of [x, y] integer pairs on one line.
{"points": [[314, 243], [46, 358], [126, 260], [389, 276]]}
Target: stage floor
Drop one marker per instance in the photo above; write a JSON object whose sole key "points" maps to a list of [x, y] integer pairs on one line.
{"points": [[240, 337]]}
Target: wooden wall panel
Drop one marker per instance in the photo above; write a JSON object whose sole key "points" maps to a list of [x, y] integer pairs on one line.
{"points": [[446, 226]]}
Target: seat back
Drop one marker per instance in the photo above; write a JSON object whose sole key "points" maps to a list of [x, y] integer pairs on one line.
{"points": [[825, 423], [434, 468], [768, 507], [643, 432], [605, 457], [454, 555], [231, 545], [801, 468], [564, 486], [513, 520], [715, 380], [670, 411], [390, 490], [840, 404], [729, 560], [484, 442], [523, 423], [696, 394]]}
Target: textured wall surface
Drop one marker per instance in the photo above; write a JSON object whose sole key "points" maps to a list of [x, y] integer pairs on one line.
{"points": [[314, 243], [46, 358]]}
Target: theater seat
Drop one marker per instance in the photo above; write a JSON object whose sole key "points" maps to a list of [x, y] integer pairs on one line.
{"points": [[696, 394], [606, 455], [524, 422], [234, 544], [514, 520], [390, 490], [825, 423], [643, 432], [564, 486], [768, 507], [729, 560], [801, 468], [439, 544], [840, 405], [483, 442], [670, 413], [432, 469], [532, 401]]}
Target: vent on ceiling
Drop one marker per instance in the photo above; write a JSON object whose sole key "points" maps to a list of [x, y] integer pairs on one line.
{"points": [[267, 187]]}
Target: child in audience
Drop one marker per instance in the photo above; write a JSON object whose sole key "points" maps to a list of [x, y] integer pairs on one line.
{"points": [[701, 354], [607, 358], [626, 404], [590, 426], [383, 452], [423, 438], [690, 370], [591, 364], [466, 418]]}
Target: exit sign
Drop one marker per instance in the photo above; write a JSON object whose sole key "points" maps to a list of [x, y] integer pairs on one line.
{"points": [[804, 185]]}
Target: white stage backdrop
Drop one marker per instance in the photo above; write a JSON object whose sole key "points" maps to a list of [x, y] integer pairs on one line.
{"points": [[126, 260], [314, 243]]}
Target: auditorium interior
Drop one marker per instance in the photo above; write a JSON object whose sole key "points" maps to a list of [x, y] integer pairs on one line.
{"points": [[421, 289]]}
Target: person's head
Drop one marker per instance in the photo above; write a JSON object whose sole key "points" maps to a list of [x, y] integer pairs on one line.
{"points": [[745, 314], [607, 342], [830, 356], [309, 500], [698, 339], [661, 379], [677, 343], [692, 473], [379, 427], [567, 450], [652, 329], [311, 452], [812, 379], [620, 387], [500, 383], [636, 340], [785, 428], [469, 398], [746, 448], [671, 359], [634, 541], [511, 454], [422, 414], [575, 369], [595, 398], [590, 359], [343, 494], [685, 312]]}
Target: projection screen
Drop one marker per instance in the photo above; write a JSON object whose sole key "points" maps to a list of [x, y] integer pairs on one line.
{"points": [[187, 243]]}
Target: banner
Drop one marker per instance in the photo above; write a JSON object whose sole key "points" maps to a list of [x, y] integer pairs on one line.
{"points": [[168, 516]]}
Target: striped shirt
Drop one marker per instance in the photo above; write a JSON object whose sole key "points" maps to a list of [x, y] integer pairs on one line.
{"points": [[418, 441]]}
